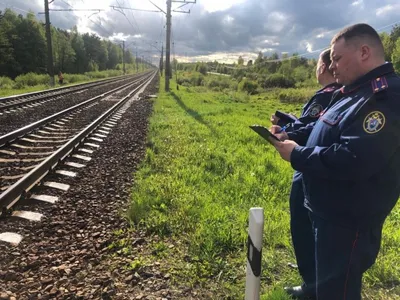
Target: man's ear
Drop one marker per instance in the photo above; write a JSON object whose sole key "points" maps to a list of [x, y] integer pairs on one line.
{"points": [[323, 68], [365, 51]]}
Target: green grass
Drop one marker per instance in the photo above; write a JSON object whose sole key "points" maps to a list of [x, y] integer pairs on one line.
{"points": [[4, 92], [204, 169], [31, 82]]}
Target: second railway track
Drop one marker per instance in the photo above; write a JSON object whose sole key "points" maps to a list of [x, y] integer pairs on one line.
{"points": [[28, 156], [52, 103], [9, 104]]}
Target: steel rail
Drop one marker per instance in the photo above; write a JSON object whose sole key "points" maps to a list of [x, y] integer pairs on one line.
{"points": [[9, 137], [19, 189], [43, 95], [12, 97]]}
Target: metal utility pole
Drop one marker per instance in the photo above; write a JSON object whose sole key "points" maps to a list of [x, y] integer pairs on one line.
{"points": [[162, 59], [50, 67], [123, 57], [168, 46], [137, 63]]}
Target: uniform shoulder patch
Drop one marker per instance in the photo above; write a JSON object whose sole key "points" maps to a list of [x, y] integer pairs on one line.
{"points": [[374, 122], [379, 84], [315, 110]]}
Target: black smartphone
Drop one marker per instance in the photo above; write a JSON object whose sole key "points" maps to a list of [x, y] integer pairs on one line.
{"points": [[265, 133], [286, 118]]}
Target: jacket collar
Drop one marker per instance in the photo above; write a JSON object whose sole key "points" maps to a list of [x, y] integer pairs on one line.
{"points": [[375, 73], [330, 87]]}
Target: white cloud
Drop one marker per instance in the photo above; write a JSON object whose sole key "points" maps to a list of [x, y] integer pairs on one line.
{"points": [[264, 50], [217, 26], [388, 9], [219, 56], [358, 3], [216, 5], [276, 21], [309, 47], [271, 43], [321, 33], [119, 36], [228, 19]]}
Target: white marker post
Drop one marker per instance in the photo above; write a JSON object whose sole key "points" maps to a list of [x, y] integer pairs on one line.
{"points": [[254, 246]]}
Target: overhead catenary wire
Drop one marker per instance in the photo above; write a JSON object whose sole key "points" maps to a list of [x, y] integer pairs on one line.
{"points": [[130, 23], [67, 3], [138, 30], [269, 61], [133, 17], [72, 9], [15, 7], [178, 27], [161, 38], [99, 25], [61, 0], [169, 2], [161, 10]]}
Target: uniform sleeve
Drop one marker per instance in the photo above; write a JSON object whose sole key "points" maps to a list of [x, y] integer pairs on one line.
{"points": [[365, 146], [314, 110], [300, 136]]}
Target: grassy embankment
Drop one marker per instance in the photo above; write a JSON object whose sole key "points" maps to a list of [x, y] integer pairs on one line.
{"points": [[32, 82], [203, 170]]}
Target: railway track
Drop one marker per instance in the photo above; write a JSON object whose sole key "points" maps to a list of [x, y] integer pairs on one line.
{"points": [[17, 102], [30, 113], [58, 144]]}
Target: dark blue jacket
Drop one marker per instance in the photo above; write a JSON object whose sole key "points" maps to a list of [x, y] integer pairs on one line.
{"points": [[351, 159], [313, 108]]}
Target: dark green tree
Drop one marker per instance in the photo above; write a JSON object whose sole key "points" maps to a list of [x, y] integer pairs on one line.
{"points": [[260, 59], [8, 64], [80, 64], [30, 45], [113, 55], [64, 54]]}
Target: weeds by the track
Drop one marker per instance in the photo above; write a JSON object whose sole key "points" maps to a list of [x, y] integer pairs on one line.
{"points": [[203, 170]]}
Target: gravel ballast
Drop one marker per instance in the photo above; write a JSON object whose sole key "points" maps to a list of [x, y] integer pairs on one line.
{"points": [[68, 255]]}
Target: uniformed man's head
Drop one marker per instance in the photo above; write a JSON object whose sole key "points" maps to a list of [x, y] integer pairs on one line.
{"points": [[355, 51], [323, 73]]}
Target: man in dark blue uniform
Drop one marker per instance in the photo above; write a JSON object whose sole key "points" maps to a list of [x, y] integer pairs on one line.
{"points": [[350, 163], [300, 224], [318, 102]]}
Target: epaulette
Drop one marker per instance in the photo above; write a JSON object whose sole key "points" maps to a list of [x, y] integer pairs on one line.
{"points": [[379, 84]]}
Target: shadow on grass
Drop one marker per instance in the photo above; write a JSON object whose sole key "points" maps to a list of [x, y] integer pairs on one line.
{"points": [[197, 116]]}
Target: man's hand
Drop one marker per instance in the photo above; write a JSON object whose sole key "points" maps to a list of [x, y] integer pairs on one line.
{"points": [[282, 135], [285, 148], [274, 119]]}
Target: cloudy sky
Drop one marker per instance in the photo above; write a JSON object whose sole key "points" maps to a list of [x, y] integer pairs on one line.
{"points": [[219, 29]]}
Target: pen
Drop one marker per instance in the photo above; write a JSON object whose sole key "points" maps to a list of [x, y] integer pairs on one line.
{"points": [[282, 129]]}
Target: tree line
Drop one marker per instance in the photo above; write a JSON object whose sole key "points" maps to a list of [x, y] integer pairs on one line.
{"points": [[23, 48], [285, 70]]}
